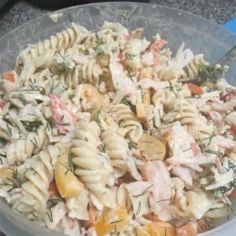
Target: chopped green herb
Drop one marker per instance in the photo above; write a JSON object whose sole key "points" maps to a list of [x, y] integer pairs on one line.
{"points": [[129, 56], [99, 42], [49, 213], [126, 102], [32, 125], [70, 167], [144, 192], [172, 88], [53, 202], [187, 149], [98, 117], [34, 142], [210, 73], [218, 153], [132, 145], [139, 209], [22, 97], [9, 131], [2, 141], [103, 147], [116, 221], [163, 200], [3, 154]]}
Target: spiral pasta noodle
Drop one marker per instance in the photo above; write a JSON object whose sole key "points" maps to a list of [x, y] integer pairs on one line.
{"points": [[116, 148], [126, 119], [38, 177], [192, 69], [22, 149], [62, 40], [189, 116], [89, 164]]}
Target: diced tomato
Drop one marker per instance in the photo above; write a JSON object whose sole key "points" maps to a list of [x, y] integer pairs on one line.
{"points": [[53, 191], [196, 149], [189, 229], [10, 76], [195, 89]]}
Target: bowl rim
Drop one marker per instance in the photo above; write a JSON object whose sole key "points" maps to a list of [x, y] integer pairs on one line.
{"points": [[231, 38]]}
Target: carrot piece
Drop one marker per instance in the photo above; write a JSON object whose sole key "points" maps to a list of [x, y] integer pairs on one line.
{"points": [[195, 89], [189, 229], [10, 76]]}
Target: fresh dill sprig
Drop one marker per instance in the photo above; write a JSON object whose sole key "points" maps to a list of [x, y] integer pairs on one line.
{"points": [[70, 166], [49, 213], [99, 42], [32, 125], [116, 221], [34, 142], [98, 117], [144, 192], [139, 208], [126, 102], [172, 88], [9, 131], [2, 141], [129, 56], [218, 153], [53, 202], [15, 181], [132, 145], [210, 73]]}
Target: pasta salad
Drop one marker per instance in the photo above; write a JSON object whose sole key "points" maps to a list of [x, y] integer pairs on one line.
{"points": [[100, 136]]}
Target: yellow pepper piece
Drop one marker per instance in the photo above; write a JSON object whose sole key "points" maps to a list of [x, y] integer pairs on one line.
{"points": [[112, 221], [67, 183], [156, 229]]}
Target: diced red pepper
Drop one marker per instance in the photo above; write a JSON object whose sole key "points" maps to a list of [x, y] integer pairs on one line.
{"points": [[195, 89], [10, 76]]}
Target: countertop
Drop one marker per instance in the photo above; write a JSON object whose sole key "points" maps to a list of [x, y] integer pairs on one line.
{"points": [[16, 13]]}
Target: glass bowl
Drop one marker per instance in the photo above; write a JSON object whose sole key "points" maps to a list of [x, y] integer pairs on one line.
{"points": [[177, 26]]}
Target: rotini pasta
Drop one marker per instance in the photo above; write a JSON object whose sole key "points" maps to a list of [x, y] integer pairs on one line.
{"points": [[127, 120], [22, 149], [34, 193], [116, 148], [192, 69], [90, 164]]}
